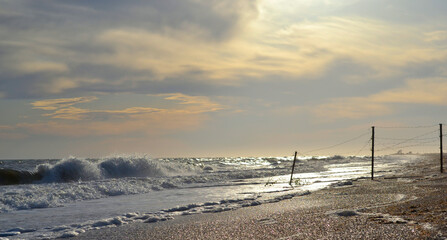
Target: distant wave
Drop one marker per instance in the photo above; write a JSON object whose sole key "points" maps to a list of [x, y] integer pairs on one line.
{"points": [[328, 158], [74, 169]]}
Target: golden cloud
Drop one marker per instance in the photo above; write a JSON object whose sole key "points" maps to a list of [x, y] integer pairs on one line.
{"points": [[179, 53], [74, 113], [350, 108], [436, 36], [89, 122], [417, 91], [198, 104], [63, 108], [35, 67], [54, 104], [383, 46], [153, 124], [6, 127], [61, 84], [9, 132], [300, 49]]}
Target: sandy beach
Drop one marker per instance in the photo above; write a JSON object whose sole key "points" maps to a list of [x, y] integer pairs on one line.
{"points": [[400, 206]]}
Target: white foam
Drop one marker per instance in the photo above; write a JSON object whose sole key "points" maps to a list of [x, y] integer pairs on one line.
{"points": [[71, 230]]}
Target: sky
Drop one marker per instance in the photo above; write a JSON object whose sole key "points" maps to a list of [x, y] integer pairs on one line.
{"points": [[203, 78]]}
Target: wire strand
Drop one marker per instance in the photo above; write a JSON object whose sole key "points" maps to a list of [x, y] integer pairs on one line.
{"points": [[366, 144], [405, 141], [407, 146], [336, 145], [397, 127]]}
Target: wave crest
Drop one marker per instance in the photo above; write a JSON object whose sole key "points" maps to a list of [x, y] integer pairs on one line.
{"points": [[69, 170], [128, 167], [74, 169]]}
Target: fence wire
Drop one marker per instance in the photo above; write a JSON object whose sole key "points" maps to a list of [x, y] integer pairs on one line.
{"points": [[336, 145], [419, 140], [383, 143], [364, 146], [398, 127]]}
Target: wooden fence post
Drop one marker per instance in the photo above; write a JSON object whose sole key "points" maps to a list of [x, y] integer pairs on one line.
{"points": [[372, 153], [440, 147], [293, 168]]}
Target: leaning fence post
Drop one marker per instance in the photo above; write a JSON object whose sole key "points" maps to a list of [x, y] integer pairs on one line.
{"points": [[293, 168], [372, 153]]}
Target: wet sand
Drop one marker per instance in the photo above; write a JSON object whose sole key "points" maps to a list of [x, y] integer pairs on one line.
{"points": [[401, 206]]}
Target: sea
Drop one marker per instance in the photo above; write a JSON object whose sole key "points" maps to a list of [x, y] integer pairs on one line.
{"points": [[62, 198]]}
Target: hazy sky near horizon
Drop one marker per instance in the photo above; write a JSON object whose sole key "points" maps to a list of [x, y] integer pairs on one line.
{"points": [[215, 77]]}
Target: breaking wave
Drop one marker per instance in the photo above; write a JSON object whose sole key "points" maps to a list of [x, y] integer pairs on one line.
{"points": [[74, 169]]}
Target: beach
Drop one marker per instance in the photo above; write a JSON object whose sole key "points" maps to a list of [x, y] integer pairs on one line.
{"points": [[409, 204], [78, 195], [223, 119]]}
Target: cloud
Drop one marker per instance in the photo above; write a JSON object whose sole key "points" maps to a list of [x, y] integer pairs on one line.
{"points": [[68, 120], [36, 67], [298, 50], [72, 113], [145, 124], [366, 41], [216, 19], [64, 84], [436, 36], [155, 45], [6, 127], [63, 108], [350, 108], [12, 136], [198, 104], [11, 133], [181, 53], [41, 48], [55, 104], [416, 91]]}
